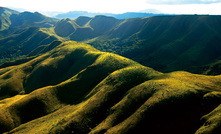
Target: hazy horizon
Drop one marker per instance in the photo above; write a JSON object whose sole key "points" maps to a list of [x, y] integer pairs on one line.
{"points": [[116, 6]]}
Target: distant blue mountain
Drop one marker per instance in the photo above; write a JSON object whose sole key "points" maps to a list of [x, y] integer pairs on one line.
{"points": [[75, 14], [134, 15]]}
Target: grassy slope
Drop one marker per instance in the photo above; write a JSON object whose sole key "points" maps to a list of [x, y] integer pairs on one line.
{"points": [[76, 88]]}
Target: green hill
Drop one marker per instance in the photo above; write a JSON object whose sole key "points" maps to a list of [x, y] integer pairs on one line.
{"points": [[102, 24], [65, 27], [82, 20], [25, 19], [5, 15], [75, 88], [85, 28]]}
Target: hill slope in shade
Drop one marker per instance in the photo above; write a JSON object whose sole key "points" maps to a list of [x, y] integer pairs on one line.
{"points": [[23, 43], [75, 88], [165, 43], [210, 69]]}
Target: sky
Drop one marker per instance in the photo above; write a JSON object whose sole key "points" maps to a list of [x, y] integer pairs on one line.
{"points": [[117, 6]]}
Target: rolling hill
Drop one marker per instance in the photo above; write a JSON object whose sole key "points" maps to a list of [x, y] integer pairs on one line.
{"points": [[75, 88]]}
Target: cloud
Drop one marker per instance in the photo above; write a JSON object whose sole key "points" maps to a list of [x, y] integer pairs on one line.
{"points": [[212, 9], [118, 6], [177, 2]]}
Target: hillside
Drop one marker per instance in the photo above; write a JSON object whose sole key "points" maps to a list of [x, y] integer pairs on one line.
{"points": [[165, 43], [23, 43], [75, 88], [210, 69]]}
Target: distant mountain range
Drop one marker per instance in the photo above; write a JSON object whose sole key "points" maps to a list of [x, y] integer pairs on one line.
{"points": [[76, 14]]}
